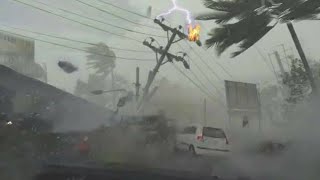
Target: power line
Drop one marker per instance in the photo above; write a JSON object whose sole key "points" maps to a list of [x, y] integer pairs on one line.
{"points": [[192, 49], [197, 85], [220, 65], [199, 68], [99, 21], [70, 19], [132, 12], [208, 66], [73, 40], [62, 45], [265, 61], [200, 82], [112, 14]]}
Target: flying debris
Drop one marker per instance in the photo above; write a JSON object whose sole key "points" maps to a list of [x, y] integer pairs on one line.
{"points": [[67, 67]]}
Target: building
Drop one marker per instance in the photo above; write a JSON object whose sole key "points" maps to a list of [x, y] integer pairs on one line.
{"points": [[24, 95], [18, 54]]}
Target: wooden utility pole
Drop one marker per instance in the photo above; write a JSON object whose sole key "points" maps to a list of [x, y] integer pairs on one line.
{"points": [[152, 75], [113, 93], [164, 54], [205, 112], [137, 84], [276, 54]]}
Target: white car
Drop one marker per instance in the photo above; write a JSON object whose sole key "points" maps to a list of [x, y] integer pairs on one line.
{"points": [[200, 140]]}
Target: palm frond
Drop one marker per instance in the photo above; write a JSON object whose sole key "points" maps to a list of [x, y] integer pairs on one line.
{"points": [[231, 5], [101, 59], [230, 34], [228, 10], [308, 9], [251, 26], [251, 40], [212, 15]]}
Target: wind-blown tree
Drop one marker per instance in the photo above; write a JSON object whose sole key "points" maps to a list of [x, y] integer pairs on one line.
{"points": [[244, 22], [101, 59], [297, 82]]}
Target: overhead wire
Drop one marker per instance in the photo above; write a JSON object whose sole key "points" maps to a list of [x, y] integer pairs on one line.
{"points": [[220, 65], [115, 6], [73, 40], [199, 80], [57, 44], [203, 61], [99, 21], [267, 64], [117, 16], [198, 86], [200, 70], [79, 49], [162, 36], [79, 22], [208, 66]]}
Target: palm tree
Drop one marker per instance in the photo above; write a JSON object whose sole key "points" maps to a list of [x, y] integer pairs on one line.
{"points": [[101, 59], [244, 22]]}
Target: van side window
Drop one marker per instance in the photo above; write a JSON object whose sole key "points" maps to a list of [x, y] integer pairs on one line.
{"points": [[189, 130], [213, 132]]}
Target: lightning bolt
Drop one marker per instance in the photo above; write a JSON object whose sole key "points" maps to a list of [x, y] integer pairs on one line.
{"points": [[177, 8]]}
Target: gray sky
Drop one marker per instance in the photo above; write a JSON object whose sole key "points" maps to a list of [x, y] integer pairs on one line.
{"points": [[247, 67]]}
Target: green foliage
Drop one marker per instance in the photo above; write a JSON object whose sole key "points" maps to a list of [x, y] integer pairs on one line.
{"points": [[297, 82], [245, 22]]}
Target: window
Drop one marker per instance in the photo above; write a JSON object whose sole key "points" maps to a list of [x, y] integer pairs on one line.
{"points": [[189, 130], [213, 132]]}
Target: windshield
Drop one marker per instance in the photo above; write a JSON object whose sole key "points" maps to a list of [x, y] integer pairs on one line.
{"points": [[212, 87], [213, 132]]}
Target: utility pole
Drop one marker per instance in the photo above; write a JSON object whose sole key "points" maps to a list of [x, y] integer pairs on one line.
{"points": [[44, 65], [137, 84], [164, 53], [113, 93], [303, 58], [276, 54], [285, 53], [205, 112]]}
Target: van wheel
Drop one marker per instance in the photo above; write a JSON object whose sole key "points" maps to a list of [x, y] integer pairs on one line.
{"points": [[192, 150]]}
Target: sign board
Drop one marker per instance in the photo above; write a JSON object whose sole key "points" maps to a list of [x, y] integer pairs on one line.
{"points": [[241, 96], [243, 106]]}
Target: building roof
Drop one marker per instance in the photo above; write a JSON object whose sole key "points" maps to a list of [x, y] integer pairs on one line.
{"points": [[74, 113]]}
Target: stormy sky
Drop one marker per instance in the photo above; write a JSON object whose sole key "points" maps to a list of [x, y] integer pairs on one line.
{"points": [[248, 67]]}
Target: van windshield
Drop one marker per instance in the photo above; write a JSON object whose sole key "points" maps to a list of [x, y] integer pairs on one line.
{"points": [[213, 132]]}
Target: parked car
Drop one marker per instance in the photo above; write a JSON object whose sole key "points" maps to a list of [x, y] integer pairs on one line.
{"points": [[199, 140]]}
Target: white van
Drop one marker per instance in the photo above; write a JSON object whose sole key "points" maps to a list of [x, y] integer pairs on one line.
{"points": [[200, 140]]}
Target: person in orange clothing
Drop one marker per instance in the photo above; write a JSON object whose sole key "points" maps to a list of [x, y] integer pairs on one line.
{"points": [[83, 147]]}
